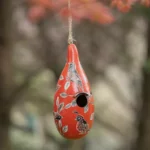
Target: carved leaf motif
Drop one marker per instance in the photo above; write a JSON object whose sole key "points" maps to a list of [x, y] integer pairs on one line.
{"points": [[68, 106], [86, 108], [74, 103], [58, 86], [67, 85], [65, 129], [60, 107], [60, 123], [92, 116], [61, 77], [57, 101], [63, 95]]}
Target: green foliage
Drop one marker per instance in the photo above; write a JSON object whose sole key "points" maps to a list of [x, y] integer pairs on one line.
{"points": [[147, 66], [141, 10]]}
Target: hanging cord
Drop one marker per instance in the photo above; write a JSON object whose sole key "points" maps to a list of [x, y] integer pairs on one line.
{"points": [[70, 37]]}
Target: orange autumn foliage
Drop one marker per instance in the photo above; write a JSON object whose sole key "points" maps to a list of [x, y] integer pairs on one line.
{"points": [[93, 10]]}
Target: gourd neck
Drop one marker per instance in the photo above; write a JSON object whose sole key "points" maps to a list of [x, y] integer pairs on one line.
{"points": [[72, 55]]}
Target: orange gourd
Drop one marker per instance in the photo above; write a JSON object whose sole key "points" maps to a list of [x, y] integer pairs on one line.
{"points": [[73, 107]]}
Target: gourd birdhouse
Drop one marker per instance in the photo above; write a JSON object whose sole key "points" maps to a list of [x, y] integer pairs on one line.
{"points": [[73, 107]]}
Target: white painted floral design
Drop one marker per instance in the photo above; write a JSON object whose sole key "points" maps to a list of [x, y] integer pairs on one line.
{"points": [[68, 106], [74, 103], [86, 108], [92, 116], [67, 84], [65, 129], [61, 77], [58, 87], [57, 115], [63, 95]]}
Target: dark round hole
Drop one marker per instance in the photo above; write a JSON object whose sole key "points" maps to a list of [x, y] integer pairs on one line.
{"points": [[81, 100]]}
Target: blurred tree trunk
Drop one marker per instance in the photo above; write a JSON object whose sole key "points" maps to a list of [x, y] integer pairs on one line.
{"points": [[5, 72], [143, 141]]}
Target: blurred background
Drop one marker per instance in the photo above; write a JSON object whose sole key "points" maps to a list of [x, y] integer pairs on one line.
{"points": [[116, 59]]}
